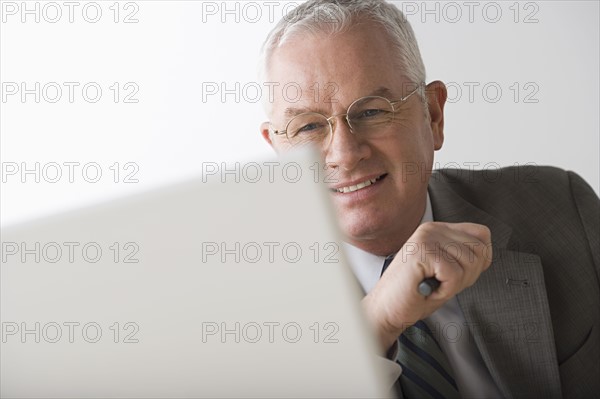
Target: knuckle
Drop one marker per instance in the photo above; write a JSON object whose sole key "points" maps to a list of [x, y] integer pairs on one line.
{"points": [[484, 233], [428, 227]]}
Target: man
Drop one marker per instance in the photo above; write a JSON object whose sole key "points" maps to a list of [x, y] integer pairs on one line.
{"points": [[517, 258]]}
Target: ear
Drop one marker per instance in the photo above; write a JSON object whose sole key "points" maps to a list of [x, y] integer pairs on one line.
{"points": [[436, 99], [264, 130]]}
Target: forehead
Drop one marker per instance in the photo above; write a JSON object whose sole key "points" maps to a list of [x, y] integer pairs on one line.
{"points": [[321, 71]]}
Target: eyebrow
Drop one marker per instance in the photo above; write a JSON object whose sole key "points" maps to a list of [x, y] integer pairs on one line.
{"points": [[293, 111], [290, 112], [382, 92]]}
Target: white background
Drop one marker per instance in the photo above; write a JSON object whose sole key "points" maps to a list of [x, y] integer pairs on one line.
{"points": [[543, 56]]}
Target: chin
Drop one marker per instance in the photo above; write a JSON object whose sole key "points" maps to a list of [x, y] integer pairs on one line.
{"points": [[358, 229]]}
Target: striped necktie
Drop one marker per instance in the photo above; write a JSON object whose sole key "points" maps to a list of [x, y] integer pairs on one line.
{"points": [[426, 372]]}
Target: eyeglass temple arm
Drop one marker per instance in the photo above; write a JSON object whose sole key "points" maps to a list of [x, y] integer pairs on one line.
{"points": [[394, 103]]}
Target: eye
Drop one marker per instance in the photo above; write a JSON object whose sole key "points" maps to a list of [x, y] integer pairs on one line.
{"points": [[370, 113], [308, 128]]}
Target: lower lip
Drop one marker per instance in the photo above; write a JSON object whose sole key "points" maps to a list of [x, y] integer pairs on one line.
{"points": [[362, 194]]}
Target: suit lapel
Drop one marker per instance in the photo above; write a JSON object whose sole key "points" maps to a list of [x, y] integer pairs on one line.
{"points": [[507, 309]]}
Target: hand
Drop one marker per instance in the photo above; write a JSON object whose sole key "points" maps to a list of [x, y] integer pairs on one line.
{"points": [[454, 253]]}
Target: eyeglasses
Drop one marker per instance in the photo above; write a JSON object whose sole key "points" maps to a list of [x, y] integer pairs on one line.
{"points": [[366, 116]]}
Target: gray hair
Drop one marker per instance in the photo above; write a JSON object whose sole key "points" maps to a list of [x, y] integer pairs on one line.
{"points": [[336, 16]]}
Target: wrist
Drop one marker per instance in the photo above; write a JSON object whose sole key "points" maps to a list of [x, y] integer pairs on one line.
{"points": [[385, 332]]}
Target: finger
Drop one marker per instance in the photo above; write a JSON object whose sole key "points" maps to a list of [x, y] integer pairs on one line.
{"points": [[474, 241], [478, 231]]}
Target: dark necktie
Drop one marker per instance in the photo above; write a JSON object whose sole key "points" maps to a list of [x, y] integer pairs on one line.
{"points": [[426, 372]]}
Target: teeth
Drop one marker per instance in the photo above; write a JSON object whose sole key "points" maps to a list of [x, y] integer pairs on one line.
{"points": [[357, 187]]}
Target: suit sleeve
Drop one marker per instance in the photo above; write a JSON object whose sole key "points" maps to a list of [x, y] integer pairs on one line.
{"points": [[588, 206]]}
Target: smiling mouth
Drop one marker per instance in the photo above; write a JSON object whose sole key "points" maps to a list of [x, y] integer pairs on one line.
{"points": [[351, 189]]}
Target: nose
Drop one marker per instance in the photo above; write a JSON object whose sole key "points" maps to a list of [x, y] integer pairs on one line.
{"points": [[345, 149]]}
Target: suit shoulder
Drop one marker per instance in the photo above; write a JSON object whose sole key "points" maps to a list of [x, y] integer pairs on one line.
{"points": [[522, 180], [539, 194]]}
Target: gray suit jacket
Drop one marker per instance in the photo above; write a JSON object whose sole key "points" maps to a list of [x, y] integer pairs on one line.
{"points": [[535, 313]]}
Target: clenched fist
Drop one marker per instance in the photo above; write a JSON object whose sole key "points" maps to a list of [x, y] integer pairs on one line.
{"points": [[454, 253]]}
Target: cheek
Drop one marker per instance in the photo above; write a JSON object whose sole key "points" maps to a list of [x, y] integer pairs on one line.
{"points": [[421, 141], [409, 157], [280, 144], [413, 144]]}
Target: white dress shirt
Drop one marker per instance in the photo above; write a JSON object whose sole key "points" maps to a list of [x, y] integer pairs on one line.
{"points": [[448, 325]]}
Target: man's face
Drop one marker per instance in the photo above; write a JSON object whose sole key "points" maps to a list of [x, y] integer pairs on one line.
{"points": [[333, 72]]}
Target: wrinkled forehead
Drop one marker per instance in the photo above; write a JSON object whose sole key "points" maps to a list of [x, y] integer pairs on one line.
{"points": [[327, 72]]}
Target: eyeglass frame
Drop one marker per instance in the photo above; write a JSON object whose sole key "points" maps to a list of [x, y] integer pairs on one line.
{"points": [[393, 104]]}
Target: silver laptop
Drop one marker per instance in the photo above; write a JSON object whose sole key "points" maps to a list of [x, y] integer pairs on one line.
{"points": [[232, 284]]}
